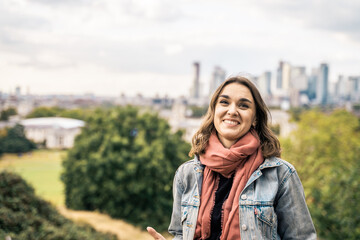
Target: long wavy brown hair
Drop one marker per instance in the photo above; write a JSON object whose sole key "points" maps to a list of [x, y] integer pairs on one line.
{"points": [[270, 145]]}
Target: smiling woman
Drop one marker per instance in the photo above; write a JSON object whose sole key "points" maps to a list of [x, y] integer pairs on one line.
{"points": [[237, 187], [234, 113]]}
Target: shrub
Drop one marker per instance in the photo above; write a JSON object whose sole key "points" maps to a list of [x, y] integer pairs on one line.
{"points": [[122, 164], [25, 216], [325, 150]]}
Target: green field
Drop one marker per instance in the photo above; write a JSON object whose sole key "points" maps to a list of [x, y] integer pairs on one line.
{"points": [[41, 169]]}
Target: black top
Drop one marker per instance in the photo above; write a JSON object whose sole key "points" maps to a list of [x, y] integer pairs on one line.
{"points": [[221, 195]]}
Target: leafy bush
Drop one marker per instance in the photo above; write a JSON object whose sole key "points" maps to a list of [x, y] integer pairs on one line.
{"points": [[122, 164], [325, 150], [15, 141], [25, 216], [5, 114]]}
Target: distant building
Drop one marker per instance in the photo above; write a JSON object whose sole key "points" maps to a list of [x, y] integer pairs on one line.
{"points": [[264, 84], [322, 88], [299, 80], [218, 77], [312, 84], [54, 132], [342, 90], [195, 90], [354, 88], [298, 86], [283, 76]]}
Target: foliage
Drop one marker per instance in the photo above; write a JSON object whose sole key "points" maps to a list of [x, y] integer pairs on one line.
{"points": [[15, 141], [5, 114], [81, 114], [295, 113], [275, 128], [325, 150], [25, 216], [122, 164]]}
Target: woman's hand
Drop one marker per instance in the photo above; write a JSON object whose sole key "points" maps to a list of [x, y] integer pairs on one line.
{"points": [[155, 234]]}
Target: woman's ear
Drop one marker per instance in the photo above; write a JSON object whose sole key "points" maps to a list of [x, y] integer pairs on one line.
{"points": [[254, 123]]}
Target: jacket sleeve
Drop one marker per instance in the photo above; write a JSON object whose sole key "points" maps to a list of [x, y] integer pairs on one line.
{"points": [[175, 227], [294, 220]]}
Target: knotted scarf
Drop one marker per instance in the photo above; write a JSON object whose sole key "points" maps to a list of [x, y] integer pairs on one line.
{"points": [[241, 159]]}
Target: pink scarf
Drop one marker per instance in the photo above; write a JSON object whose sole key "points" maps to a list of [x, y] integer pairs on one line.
{"points": [[243, 158]]}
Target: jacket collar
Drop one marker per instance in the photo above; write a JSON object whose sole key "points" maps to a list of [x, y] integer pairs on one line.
{"points": [[270, 162]]}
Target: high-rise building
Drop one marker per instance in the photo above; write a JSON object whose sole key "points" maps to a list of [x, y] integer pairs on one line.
{"points": [[264, 84], [342, 89], [298, 86], [283, 76], [322, 88], [299, 80], [218, 77], [195, 90], [312, 84], [355, 88]]}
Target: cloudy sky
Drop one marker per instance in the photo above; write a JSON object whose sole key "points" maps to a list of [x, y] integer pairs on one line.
{"points": [[109, 47]]}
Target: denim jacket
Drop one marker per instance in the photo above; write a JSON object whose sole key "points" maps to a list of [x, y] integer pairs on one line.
{"points": [[271, 206]]}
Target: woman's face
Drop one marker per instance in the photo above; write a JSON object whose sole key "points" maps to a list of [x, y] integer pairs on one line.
{"points": [[234, 113]]}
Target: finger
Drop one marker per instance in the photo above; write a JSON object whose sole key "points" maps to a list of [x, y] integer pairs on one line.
{"points": [[154, 233]]}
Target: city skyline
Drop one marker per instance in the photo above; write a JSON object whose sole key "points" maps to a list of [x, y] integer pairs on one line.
{"points": [[113, 47]]}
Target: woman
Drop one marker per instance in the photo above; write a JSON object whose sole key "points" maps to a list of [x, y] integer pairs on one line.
{"points": [[237, 187]]}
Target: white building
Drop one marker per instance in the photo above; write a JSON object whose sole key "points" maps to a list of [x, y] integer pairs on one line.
{"points": [[55, 132]]}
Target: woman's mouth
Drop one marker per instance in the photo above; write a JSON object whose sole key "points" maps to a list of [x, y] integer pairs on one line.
{"points": [[231, 122]]}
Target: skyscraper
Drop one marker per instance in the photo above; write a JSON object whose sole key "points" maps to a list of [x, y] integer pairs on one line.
{"points": [[283, 76], [299, 80], [218, 77], [355, 88], [322, 88], [264, 84], [312, 83], [195, 90]]}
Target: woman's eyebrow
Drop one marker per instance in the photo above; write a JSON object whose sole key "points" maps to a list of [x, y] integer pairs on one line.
{"points": [[240, 100], [244, 100]]}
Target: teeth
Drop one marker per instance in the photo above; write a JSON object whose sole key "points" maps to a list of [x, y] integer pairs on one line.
{"points": [[231, 122]]}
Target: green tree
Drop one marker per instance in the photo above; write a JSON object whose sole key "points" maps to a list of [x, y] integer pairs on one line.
{"points": [[325, 150], [5, 114], [122, 164], [15, 141], [77, 113], [44, 112], [23, 215]]}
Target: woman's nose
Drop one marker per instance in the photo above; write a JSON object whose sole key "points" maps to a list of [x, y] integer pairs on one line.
{"points": [[232, 110]]}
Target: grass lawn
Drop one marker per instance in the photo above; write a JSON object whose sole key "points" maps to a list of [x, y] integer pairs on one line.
{"points": [[41, 169]]}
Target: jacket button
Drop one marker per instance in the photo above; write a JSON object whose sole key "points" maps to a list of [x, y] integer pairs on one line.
{"points": [[243, 197], [244, 227]]}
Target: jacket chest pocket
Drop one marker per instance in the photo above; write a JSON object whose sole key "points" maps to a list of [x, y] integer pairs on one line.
{"points": [[266, 221]]}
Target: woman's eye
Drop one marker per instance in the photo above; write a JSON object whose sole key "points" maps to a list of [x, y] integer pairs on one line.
{"points": [[223, 101], [242, 105]]}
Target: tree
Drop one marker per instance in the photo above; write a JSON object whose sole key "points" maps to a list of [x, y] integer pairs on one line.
{"points": [[325, 149], [5, 114], [23, 215], [122, 164], [81, 114], [15, 141], [44, 112]]}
